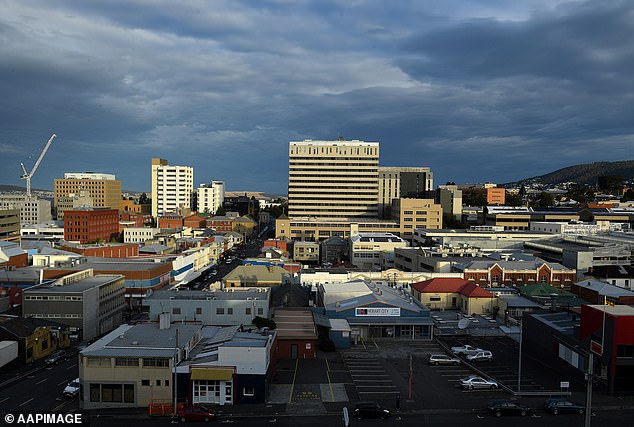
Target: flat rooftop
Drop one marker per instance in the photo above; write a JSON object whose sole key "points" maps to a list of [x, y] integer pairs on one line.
{"points": [[75, 287]]}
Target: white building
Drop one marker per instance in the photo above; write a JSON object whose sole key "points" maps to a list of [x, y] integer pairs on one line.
{"points": [[172, 188], [374, 251], [139, 234], [211, 196], [33, 210], [47, 230]]}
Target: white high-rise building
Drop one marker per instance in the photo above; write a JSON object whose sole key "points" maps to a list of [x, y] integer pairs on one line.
{"points": [[333, 179], [172, 188], [211, 196]]}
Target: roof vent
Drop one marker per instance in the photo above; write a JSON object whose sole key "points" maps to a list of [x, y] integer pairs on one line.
{"points": [[135, 343]]}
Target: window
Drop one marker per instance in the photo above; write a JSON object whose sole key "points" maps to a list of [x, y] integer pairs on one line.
{"points": [[95, 393], [155, 362], [145, 383], [126, 361], [230, 311], [158, 382], [260, 311], [625, 351], [176, 310], [248, 391], [247, 311], [434, 298], [199, 310], [220, 310], [128, 393]]}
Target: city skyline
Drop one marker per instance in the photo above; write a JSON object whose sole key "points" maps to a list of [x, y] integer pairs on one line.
{"points": [[486, 90]]}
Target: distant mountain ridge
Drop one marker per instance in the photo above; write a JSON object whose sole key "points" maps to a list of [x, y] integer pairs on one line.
{"points": [[586, 173]]}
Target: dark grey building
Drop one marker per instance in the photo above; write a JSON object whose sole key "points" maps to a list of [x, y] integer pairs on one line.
{"points": [[90, 305]]}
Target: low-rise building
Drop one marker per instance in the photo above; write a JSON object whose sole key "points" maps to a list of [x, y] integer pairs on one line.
{"points": [[12, 255], [454, 293], [91, 225], [90, 305], [255, 276], [296, 333], [374, 251], [517, 272], [139, 234], [306, 252], [597, 292], [36, 338], [222, 307], [104, 250], [9, 223]]}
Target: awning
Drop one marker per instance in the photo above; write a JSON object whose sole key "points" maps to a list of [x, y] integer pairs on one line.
{"points": [[212, 374]]}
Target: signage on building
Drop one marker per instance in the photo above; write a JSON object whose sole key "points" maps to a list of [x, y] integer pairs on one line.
{"points": [[378, 311], [596, 347]]}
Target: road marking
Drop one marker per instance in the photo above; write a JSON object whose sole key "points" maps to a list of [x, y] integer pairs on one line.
{"points": [[332, 394], [24, 403], [63, 382], [71, 366], [290, 396], [41, 381], [4, 400]]}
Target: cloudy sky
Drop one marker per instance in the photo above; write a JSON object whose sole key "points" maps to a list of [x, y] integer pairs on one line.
{"points": [[490, 90]]}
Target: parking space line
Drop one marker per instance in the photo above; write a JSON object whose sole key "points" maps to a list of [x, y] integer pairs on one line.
{"points": [[24, 403], [332, 394], [290, 397], [41, 381], [63, 382], [5, 399]]}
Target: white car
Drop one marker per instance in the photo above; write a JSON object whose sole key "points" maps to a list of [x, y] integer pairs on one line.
{"points": [[443, 359], [72, 388], [474, 381], [465, 349], [481, 356]]}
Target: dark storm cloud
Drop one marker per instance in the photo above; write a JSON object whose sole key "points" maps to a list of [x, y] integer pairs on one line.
{"points": [[486, 90]]}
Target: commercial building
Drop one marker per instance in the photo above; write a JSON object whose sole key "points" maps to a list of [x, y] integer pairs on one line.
{"points": [[218, 308], [33, 210], [104, 250], [254, 276], [416, 213], [454, 294], [306, 252], [72, 202], [102, 189], [210, 196], [517, 272], [139, 234], [402, 182], [91, 225], [9, 223], [313, 229], [384, 312], [296, 333], [91, 305], [51, 230], [485, 238], [496, 196], [333, 179], [172, 188], [597, 292], [12, 255], [36, 338], [374, 251], [450, 199]]}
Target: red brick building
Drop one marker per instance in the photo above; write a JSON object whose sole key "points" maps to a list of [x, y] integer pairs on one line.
{"points": [[221, 224], [117, 250], [195, 221], [12, 255], [296, 334], [91, 225], [516, 273], [170, 221], [133, 219]]}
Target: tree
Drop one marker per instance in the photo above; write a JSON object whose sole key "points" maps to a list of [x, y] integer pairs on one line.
{"points": [[513, 200], [628, 195], [610, 182], [220, 211], [474, 197], [143, 199], [545, 200]]}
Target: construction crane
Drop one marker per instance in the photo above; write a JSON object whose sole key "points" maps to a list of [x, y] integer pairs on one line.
{"points": [[28, 176]]}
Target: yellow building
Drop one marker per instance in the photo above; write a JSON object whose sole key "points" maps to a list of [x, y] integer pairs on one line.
{"points": [[447, 293], [104, 189], [255, 276]]}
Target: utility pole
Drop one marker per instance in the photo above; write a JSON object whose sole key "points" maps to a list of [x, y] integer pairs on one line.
{"points": [[519, 367], [410, 382], [589, 389]]}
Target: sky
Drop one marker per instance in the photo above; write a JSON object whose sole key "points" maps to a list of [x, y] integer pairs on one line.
{"points": [[489, 90]]}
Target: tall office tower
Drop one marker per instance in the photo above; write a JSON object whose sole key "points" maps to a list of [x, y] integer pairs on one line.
{"points": [[103, 188], [333, 179], [402, 182], [211, 196], [172, 187]]}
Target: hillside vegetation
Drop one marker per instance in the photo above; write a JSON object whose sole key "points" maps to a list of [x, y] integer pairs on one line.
{"points": [[588, 173]]}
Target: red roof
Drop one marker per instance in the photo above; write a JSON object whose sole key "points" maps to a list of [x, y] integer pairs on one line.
{"points": [[452, 285]]}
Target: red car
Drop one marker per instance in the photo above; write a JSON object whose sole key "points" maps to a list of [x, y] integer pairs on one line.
{"points": [[196, 413]]}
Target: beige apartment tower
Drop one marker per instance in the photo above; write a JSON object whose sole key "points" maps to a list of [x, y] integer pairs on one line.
{"points": [[102, 188], [172, 188], [333, 179]]}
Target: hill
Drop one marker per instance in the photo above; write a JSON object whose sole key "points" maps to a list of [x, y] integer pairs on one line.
{"points": [[586, 173]]}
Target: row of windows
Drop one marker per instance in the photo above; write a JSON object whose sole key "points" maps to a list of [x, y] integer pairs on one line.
{"points": [[53, 298]]}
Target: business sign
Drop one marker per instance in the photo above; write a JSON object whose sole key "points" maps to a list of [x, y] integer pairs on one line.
{"points": [[378, 311], [596, 347]]}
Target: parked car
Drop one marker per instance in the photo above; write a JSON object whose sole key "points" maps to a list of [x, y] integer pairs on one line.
{"points": [[474, 381], [481, 356], [55, 358], [443, 359], [563, 406], [72, 388], [370, 410], [196, 413], [465, 349], [507, 407]]}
